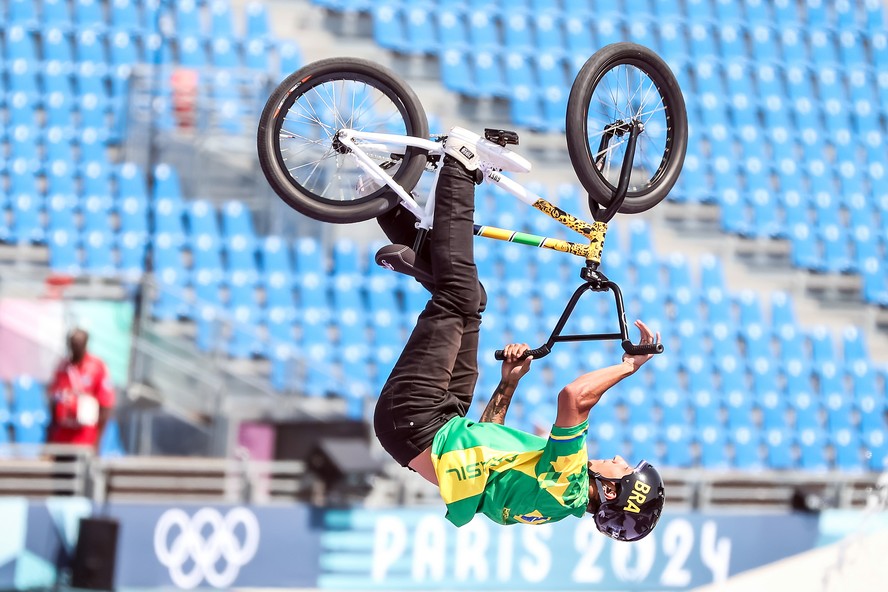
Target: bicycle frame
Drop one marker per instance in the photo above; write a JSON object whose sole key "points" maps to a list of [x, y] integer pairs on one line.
{"points": [[359, 143]]}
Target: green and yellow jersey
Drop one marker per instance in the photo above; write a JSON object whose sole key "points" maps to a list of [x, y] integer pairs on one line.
{"points": [[508, 475]]}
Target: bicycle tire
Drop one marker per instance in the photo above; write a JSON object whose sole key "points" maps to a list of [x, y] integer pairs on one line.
{"points": [[670, 120], [315, 92]]}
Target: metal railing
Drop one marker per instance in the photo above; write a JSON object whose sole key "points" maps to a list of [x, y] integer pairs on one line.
{"points": [[57, 470]]}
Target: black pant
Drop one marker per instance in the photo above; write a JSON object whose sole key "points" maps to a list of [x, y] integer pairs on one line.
{"points": [[434, 378]]}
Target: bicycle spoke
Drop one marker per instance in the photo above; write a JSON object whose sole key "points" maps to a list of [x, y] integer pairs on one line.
{"points": [[313, 120], [627, 93]]}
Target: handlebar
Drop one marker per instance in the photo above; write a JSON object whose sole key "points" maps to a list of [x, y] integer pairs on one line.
{"points": [[540, 352], [642, 348]]}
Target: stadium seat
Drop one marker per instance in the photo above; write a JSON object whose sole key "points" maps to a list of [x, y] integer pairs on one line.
{"points": [[713, 447], [875, 442], [389, 29], [221, 20], [677, 438], [773, 407], [421, 31], [812, 452], [778, 446], [97, 253], [29, 415], [111, 444], [745, 442], [806, 409], [25, 205], [642, 442], [847, 450], [55, 13], [131, 249]]}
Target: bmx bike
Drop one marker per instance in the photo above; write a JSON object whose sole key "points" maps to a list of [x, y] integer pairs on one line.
{"points": [[344, 140]]}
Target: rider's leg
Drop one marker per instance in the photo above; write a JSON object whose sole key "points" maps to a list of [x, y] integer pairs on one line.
{"points": [[416, 399]]}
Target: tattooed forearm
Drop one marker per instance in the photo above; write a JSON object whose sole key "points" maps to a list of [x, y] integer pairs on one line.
{"points": [[496, 409]]}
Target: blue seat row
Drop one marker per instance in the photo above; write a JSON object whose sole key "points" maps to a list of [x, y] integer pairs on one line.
{"points": [[24, 417], [188, 17]]}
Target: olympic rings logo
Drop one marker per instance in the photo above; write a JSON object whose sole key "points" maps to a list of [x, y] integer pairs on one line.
{"points": [[206, 546]]}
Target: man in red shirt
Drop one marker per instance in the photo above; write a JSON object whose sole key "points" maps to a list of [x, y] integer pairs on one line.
{"points": [[81, 396]]}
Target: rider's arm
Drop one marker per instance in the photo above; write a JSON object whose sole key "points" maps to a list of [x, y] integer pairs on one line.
{"points": [[580, 396], [513, 369]]}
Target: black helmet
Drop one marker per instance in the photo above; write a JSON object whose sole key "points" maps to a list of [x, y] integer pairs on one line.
{"points": [[635, 511]]}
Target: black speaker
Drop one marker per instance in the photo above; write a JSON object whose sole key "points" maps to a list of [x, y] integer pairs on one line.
{"points": [[95, 555]]}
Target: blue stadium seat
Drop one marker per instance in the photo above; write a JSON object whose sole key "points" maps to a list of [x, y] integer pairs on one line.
{"points": [[823, 46], [452, 31], [713, 447], [166, 182], [207, 289], [206, 253], [89, 48], [19, 47], [765, 43], [421, 30], [111, 444], [745, 441], [192, 51], [97, 253], [124, 16], [489, 74], [806, 409], [823, 348], [847, 447], [456, 73], [63, 254], [55, 13], [389, 29], [25, 204], [739, 406], [24, 151], [778, 448], [188, 17], [257, 21], [56, 51], [812, 452], [131, 248], [773, 407], [875, 443], [28, 410], [200, 216], [221, 20], [854, 347], [677, 438], [290, 57], [642, 442], [482, 30], [875, 281]]}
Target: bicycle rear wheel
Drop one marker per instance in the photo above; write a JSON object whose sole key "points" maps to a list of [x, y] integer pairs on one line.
{"points": [[297, 128], [620, 84]]}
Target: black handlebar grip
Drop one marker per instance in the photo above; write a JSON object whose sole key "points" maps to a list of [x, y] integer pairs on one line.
{"points": [[537, 353], [642, 348]]}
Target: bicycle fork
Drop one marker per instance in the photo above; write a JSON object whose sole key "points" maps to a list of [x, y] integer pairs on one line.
{"points": [[593, 279]]}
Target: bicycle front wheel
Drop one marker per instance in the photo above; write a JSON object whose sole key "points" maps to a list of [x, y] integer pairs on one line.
{"points": [[624, 84], [298, 126]]}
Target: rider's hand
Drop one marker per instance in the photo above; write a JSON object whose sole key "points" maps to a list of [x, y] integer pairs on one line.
{"points": [[647, 337], [514, 367]]}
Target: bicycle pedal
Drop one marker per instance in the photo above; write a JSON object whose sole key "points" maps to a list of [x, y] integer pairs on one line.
{"points": [[501, 137]]}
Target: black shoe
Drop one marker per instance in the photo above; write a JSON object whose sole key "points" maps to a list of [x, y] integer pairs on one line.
{"points": [[404, 260]]}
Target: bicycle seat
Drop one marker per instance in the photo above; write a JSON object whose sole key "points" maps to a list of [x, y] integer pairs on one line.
{"points": [[501, 137]]}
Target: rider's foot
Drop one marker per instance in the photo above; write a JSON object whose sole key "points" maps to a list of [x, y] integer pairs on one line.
{"points": [[404, 260], [462, 145]]}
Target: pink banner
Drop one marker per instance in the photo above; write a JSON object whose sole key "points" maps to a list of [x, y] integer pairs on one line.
{"points": [[32, 337]]}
